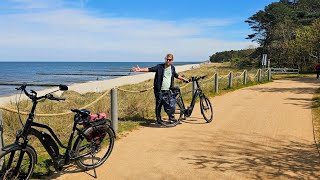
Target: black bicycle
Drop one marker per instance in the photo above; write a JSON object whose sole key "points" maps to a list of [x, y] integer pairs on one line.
{"points": [[89, 149], [182, 112]]}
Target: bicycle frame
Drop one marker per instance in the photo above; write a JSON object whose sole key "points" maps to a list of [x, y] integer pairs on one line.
{"points": [[198, 92], [47, 140]]}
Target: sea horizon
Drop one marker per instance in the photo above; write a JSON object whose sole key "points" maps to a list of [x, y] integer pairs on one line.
{"points": [[43, 75]]}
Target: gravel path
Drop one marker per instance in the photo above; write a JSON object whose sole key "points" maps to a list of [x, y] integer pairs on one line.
{"points": [[260, 132]]}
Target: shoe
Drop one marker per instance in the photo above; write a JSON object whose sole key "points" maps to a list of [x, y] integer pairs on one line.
{"points": [[159, 122], [173, 120]]}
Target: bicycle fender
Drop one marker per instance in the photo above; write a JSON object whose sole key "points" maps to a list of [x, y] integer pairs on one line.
{"points": [[17, 146], [88, 130], [114, 133]]}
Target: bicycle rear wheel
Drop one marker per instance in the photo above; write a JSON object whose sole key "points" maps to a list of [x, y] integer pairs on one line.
{"points": [[94, 151], [206, 108], [17, 163]]}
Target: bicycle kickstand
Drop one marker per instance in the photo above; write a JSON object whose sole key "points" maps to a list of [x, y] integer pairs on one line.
{"points": [[94, 168]]}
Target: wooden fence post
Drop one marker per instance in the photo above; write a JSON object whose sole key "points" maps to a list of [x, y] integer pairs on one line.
{"points": [[259, 75], [230, 79], [245, 77], [1, 137], [114, 109], [269, 74], [216, 83]]}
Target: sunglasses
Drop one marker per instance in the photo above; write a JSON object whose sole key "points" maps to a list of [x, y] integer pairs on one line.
{"points": [[169, 59]]}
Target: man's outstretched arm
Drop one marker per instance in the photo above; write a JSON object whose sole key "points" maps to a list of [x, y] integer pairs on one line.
{"points": [[138, 69]]}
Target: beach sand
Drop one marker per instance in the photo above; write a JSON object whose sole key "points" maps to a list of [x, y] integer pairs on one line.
{"points": [[99, 86]]}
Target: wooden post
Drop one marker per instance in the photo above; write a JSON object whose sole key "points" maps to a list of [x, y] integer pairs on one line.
{"points": [[269, 74], [230, 79], [1, 137], [216, 83], [259, 75], [245, 77], [114, 109]]}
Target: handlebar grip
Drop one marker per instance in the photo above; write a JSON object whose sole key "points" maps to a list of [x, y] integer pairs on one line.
{"points": [[62, 99], [22, 87], [202, 77], [51, 97]]}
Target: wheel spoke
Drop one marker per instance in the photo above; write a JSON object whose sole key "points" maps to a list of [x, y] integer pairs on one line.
{"points": [[92, 153], [18, 164]]}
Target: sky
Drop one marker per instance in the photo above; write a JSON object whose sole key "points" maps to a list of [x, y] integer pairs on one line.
{"points": [[123, 30]]}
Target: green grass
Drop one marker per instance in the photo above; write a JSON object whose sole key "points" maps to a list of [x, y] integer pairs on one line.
{"points": [[284, 76], [135, 109]]}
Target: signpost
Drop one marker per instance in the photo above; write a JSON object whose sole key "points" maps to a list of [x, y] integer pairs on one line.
{"points": [[264, 60]]}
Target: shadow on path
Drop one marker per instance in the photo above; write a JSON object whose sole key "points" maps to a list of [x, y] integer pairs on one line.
{"points": [[273, 159]]}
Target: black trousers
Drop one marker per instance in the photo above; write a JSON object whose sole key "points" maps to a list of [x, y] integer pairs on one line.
{"points": [[318, 74], [159, 103]]}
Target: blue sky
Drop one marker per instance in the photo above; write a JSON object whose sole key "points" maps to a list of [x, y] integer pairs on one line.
{"points": [[118, 30]]}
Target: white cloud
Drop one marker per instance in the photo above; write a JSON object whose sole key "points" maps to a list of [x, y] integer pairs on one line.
{"points": [[76, 34], [36, 4]]}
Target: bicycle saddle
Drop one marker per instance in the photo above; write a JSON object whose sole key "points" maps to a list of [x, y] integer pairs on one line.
{"points": [[83, 112]]}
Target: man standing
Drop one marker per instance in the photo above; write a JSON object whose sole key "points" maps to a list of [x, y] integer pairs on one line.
{"points": [[163, 81], [317, 69]]}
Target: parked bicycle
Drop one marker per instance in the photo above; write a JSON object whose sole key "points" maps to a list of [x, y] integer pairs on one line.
{"points": [[89, 149], [182, 112]]}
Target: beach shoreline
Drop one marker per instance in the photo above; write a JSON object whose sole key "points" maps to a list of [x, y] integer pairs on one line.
{"points": [[100, 86]]}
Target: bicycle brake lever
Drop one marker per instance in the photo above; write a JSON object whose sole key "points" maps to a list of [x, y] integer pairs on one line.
{"points": [[33, 92]]}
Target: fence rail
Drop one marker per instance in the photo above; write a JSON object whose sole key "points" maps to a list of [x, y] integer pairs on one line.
{"points": [[284, 71]]}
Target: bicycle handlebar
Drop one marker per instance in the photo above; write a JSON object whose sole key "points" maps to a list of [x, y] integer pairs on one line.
{"points": [[33, 95], [196, 78], [51, 97]]}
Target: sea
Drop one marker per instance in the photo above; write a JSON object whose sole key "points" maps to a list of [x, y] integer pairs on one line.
{"points": [[43, 75]]}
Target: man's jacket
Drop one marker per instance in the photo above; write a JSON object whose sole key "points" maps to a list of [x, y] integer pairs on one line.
{"points": [[158, 78]]}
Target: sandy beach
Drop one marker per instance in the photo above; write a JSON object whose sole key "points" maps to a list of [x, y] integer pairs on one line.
{"points": [[98, 86]]}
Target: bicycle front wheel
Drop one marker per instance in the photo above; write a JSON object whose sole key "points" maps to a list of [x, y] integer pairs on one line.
{"points": [[17, 163], [178, 114], [206, 109], [93, 151]]}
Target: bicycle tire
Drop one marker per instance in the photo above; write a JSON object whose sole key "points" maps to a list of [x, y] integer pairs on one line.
{"points": [[178, 114], [94, 149], [205, 106], [25, 171]]}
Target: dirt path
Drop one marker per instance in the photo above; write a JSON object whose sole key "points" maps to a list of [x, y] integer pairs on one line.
{"points": [[261, 132]]}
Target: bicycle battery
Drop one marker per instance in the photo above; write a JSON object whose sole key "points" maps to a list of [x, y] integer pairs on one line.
{"points": [[49, 144]]}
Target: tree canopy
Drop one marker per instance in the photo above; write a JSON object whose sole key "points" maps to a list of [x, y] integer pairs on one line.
{"points": [[288, 31]]}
